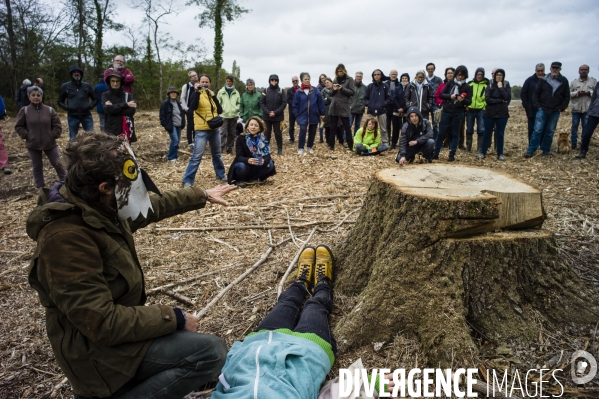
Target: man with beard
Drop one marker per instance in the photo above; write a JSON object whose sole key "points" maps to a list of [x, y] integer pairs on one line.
{"points": [[74, 98], [118, 64]]}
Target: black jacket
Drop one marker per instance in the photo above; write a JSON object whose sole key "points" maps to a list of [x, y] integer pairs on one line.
{"points": [[166, 115], [528, 89], [547, 100], [455, 106], [22, 98], [497, 100], [119, 108], [289, 95], [341, 99], [424, 101], [377, 98], [399, 100], [421, 133], [77, 96], [273, 99], [243, 154]]}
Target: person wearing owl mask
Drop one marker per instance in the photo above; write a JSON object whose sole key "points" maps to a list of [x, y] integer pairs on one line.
{"points": [[106, 339]]}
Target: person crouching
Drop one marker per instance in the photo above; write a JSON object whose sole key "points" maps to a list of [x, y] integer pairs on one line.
{"points": [[252, 160], [416, 137], [367, 140]]}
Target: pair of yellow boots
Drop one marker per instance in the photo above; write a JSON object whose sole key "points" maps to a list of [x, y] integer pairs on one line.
{"points": [[315, 265]]}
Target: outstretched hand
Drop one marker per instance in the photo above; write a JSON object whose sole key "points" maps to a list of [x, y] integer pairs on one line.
{"points": [[215, 195]]}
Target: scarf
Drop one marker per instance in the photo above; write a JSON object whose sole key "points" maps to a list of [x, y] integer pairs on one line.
{"points": [[341, 80], [419, 85], [257, 144], [456, 87], [229, 90], [304, 87]]}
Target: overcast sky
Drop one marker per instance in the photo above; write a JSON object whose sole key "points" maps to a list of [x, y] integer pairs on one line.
{"points": [[287, 37]]}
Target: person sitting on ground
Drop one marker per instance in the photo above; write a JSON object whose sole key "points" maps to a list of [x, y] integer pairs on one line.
{"points": [[107, 341], [367, 140], [300, 338], [416, 137], [117, 104], [252, 160], [172, 119]]}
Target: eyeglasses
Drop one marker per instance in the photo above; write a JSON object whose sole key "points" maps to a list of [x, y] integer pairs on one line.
{"points": [[294, 81], [193, 76], [276, 80], [377, 74], [540, 70]]}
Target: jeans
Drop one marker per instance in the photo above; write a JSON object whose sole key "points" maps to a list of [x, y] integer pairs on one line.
{"points": [[87, 122], [587, 132], [190, 131], [475, 115], [291, 126], [173, 150], [545, 124], [245, 172], [3, 154], [228, 132], [38, 165], [499, 125], [102, 117], [577, 117], [288, 313], [334, 121], [450, 124], [355, 120], [311, 135], [202, 137], [175, 365], [276, 125]]}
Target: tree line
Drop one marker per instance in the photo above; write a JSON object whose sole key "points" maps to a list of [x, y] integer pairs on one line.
{"points": [[43, 39]]}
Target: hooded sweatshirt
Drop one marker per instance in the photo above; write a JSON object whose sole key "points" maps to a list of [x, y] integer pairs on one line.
{"points": [[119, 108], [478, 91], [377, 97], [498, 98], [421, 132], [74, 96]]}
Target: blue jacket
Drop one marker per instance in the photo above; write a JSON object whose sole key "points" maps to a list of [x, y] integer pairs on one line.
{"points": [[99, 89], [528, 89], [2, 107], [399, 100], [273, 365], [312, 104]]}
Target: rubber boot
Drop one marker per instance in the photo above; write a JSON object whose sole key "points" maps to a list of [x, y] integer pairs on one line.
{"points": [[479, 144], [469, 143]]}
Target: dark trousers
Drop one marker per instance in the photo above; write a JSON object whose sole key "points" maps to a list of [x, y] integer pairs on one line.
{"points": [[245, 172], [228, 132], [102, 117], [335, 131], [191, 134], [497, 125], [587, 132], [427, 148], [288, 313], [355, 120], [37, 165], [395, 129], [291, 126], [175, 365], [276, 125], [311, 129], [451, 124]]}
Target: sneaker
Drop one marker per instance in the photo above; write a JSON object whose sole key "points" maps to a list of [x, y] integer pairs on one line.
{"points": [[7, 170], [310, 150], [291, 141], [344, 144], [583, 154], [223, 179], [300, 152], [280, 151], [501, 158], [172, 160], [241, 184], [305, 267], [324, 265], [190, 145], [528, 154], [187, 185], [451, 157], [480, 155]]}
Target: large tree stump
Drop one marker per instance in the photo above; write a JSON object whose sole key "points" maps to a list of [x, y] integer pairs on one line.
{"points": [[440, 250]]}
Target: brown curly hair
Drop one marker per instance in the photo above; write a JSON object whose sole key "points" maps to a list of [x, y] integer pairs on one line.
{"points": [[259, 121]]}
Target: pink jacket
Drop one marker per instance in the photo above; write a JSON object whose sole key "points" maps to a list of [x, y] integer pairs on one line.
{"points": [[438, 99], [128, 78]]}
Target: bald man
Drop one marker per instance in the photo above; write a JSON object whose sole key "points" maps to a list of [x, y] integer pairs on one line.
{"points": [[290, 94], [581, 90], [118, 64], [393, 118]]}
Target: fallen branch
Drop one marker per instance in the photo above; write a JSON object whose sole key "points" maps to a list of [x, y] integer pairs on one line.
{"points": [[342, 221], [210, 238], [293, 263], [54, 392], [178, 297], [189, 280], [260, 261], [246, 227]]}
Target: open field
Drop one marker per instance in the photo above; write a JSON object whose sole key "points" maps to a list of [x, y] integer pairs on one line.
{"points": [[27, 366]]}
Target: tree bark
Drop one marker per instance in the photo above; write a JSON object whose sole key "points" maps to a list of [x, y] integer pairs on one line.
{"points": [[12, 44], [439, 252], [218, 40]]}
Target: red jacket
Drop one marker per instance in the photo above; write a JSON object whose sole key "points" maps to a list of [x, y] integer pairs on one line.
{"points": [[128, 78], [438, 100]]}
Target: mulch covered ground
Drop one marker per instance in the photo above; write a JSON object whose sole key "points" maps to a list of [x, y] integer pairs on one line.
{"points": [[323, 191]]}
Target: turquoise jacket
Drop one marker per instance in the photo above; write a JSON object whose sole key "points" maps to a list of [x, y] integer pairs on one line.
{"points": [[274, 365]]}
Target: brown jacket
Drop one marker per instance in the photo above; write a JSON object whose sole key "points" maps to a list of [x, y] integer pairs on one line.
{"points": [[39, 125], [88, 277]]}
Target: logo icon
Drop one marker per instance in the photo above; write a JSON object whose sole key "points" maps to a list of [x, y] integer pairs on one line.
{"points": [[579, 367]]}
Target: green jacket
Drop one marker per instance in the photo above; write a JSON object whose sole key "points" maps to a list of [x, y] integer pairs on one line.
{"points": [[230, 103], [478, 94], [88, 278], [367, 140], [250, 105]]}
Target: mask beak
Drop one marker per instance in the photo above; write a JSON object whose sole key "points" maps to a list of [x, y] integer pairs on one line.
{"points": [[150, 186]]}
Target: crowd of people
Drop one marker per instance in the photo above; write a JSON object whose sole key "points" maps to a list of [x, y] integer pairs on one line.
{"points": [[396, 109]]}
